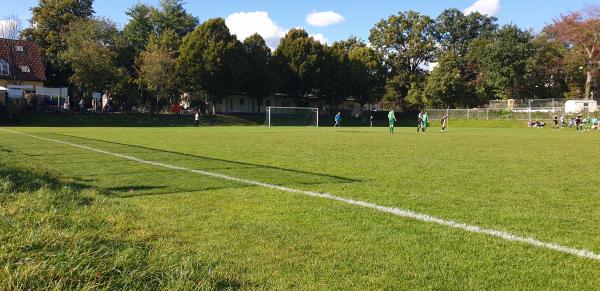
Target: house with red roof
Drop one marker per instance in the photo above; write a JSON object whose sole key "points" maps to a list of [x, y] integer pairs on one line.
{"points": [[21, 66]]}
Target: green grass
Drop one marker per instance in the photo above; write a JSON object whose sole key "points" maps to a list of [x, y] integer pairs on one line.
{"points": [[530, 182], [124, 120]]}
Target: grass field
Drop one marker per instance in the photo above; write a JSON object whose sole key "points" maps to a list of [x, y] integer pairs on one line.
{"points": [[94, 220]]}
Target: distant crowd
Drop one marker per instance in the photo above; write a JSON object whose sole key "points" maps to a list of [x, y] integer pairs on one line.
{"points": [[580, 122]]}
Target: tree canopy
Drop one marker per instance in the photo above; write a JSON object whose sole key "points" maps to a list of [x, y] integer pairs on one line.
{"points": [[411, 59]]}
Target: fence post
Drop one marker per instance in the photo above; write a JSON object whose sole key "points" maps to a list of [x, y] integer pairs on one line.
{"points": [[467, 113], [487, 114]]}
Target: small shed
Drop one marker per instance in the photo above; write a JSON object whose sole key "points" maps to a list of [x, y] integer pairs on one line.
{"points": [[577, 106]]}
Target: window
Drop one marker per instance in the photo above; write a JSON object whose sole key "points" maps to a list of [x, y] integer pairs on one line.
{"points": [[25, 69], [19, 48], [4, 68], [242, 101]]}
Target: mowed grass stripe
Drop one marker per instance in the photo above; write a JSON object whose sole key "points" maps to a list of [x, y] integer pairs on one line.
{"points": [[391, 210]]}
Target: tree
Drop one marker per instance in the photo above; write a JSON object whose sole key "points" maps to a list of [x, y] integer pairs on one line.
{"points": [[455, 31], [49, 22], [580, 31], [91, 54], [259, 78], [10, 27], [156, 66], [547, 73], [140, 27], [367, 74], [407, 43], [333, 76], [299, 58], [351, 43], [172, 16], [448, 86], [503, 62], [208, 60]]}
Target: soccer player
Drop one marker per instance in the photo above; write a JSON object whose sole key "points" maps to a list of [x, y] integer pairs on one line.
{"points": [[444, 122], [562, 121], [392, 119], [196, 119], [425, 121], [338, 120], [555, 126], [419, 121], [578, 123]]}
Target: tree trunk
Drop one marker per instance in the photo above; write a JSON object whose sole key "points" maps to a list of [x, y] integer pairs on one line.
{"points": [[588, 85]]}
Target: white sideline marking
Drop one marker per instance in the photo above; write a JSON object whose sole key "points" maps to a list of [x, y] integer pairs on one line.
{"points": [[392, 210]]}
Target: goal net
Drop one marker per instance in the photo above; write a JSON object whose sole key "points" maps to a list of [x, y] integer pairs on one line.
{"points": [[292, 116]]}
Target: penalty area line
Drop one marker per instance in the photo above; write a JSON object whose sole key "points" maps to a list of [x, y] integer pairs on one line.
{"points": [[583, 253]]}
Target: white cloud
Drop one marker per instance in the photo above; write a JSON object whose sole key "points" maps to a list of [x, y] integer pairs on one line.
{"points": [[325, 18], [489, 7], [320, 38], [245, 24]]}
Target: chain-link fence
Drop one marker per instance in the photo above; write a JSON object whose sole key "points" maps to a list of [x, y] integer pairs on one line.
{"points": [[539, 113]]}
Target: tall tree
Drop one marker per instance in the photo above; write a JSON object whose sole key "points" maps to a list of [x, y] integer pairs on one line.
{"points": [[448, 85], [366, 77], [91, 53], [455, 31], [503, 62], [581, 32], [299, 58], [49, 22], [333, 82], [156, 67], [407, 42], [140, 27], [172, 16], [547, 73], [259, 77], [208, 59]]}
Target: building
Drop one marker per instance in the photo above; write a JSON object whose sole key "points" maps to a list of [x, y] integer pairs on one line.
{"points": [[241, 103], [21, 68]]}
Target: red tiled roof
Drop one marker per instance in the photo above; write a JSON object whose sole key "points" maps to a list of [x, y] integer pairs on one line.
{"points": [[30, 57]]}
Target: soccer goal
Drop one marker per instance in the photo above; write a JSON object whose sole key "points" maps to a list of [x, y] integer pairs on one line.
{"points": [[292, 116]]}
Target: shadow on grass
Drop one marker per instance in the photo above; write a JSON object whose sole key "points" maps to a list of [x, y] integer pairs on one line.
{"points": [[284, 172]]}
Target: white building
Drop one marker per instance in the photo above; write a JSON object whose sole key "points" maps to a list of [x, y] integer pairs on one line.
{"points": [[577, 106]]}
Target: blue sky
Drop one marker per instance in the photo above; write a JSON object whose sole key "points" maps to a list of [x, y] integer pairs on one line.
{"points": [[344, 18]]}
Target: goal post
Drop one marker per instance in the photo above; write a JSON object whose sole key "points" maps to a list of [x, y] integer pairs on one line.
{"points": [[292, 116]]}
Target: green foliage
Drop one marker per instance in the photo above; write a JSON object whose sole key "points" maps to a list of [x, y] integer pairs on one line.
{"points": [[504, 61], [447, 85], [407, 42], [260, 80], [406, 39], [455, 31], [172, 16], [91, 54], [140, 28], [50, 19], [208, 60], [299, 59], [366, 78]]}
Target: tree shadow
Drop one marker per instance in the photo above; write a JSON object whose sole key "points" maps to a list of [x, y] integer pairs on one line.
{"points": [[281, 172]]}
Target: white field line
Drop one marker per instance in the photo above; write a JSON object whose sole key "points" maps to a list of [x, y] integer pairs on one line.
{"points": [[391, 210]]}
